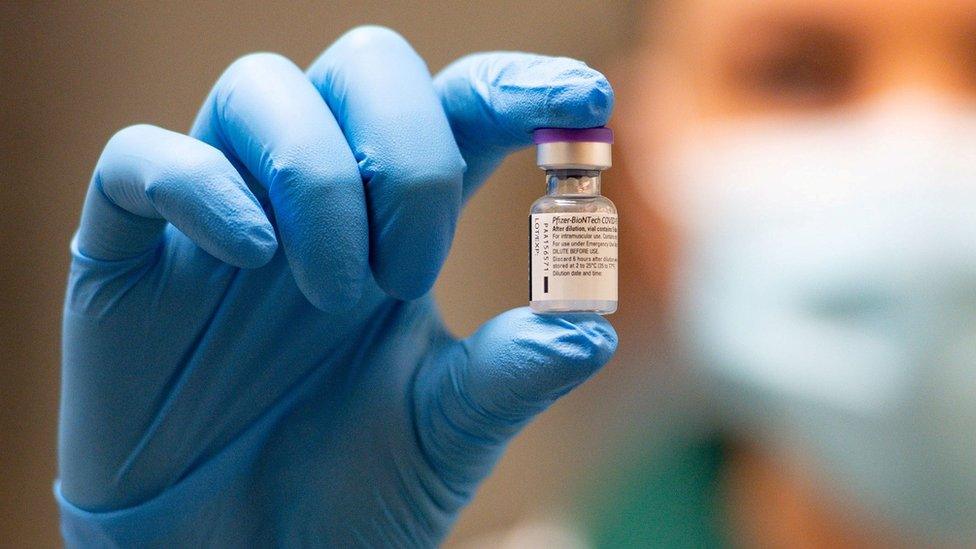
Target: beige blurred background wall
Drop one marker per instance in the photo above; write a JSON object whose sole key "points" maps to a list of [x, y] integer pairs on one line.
{"points": [[73, 73]]}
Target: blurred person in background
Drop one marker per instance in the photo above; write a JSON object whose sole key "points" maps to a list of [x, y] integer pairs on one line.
{"points": [[807, 178], [799, 232]]}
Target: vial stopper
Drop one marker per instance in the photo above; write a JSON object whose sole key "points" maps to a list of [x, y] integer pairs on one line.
{"points": [[573, 148]]}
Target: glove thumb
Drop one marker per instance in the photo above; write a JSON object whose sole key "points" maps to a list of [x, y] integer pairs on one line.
{"points": [[495, 381]]}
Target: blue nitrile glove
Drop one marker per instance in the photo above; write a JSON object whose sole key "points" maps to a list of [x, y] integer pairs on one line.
{"points": [[251, 355]]}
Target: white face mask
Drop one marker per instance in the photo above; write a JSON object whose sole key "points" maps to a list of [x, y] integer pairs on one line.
{"points": [[829, 293]]}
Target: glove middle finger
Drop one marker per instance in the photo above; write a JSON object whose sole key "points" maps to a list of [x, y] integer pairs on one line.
{"points": [[384, 100]]}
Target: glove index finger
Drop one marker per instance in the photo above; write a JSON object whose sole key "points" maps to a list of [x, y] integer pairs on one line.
{"points": [[494, 100]]}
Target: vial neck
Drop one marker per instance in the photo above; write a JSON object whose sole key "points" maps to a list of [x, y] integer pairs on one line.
{"points": [[573, 182]]}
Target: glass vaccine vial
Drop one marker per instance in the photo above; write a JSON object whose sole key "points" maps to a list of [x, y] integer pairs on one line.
{"points": [[573, 229]]}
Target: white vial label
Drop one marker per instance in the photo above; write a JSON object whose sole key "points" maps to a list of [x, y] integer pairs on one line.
{"points": [[573, 256]]}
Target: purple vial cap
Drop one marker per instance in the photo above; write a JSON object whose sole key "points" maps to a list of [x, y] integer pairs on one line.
{"points": [[561, 135]]}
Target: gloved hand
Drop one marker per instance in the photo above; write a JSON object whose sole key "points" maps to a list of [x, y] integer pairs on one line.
{"points": [[251, 355]]}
